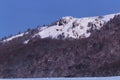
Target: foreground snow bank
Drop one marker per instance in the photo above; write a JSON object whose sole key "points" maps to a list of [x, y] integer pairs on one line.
{"points": [[87, 78]]}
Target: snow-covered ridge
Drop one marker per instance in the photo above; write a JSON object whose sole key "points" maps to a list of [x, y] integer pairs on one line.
{"points": [[69, 27], [13, 37]]}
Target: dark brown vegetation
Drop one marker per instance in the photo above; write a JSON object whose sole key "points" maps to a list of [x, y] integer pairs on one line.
{"points": [[98, 55]]}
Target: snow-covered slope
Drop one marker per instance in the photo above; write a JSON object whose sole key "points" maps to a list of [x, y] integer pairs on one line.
{"points": [[69, 27], [13, 37]]}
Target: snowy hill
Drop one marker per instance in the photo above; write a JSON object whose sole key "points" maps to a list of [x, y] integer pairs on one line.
{"points": [[96, 54], [68, 27]]}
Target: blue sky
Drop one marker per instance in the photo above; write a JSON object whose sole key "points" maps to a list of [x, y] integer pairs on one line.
{"points": [[18, 15]]}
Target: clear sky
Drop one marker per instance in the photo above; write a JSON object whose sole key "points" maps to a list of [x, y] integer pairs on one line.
{"points": [[18, 15]]}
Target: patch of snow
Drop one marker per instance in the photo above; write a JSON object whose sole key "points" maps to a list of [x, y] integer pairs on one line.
{"points": [[42, 28], [13, 37], [108, 17], [26, 32], [26, 42]]}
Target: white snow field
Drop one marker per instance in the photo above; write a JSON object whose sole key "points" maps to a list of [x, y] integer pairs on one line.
{"points": [[71, 27], [85, 78]]}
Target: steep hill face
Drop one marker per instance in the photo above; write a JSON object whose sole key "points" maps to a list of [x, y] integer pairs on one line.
{"points": [[96, 55]]}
